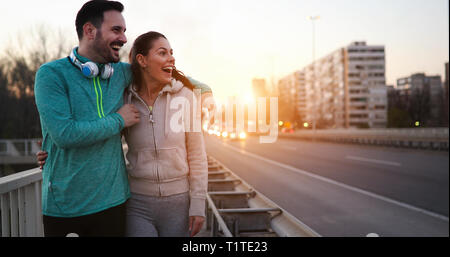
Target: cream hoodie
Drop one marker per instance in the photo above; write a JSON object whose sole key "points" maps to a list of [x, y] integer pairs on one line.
{"points": [[163, 161]]}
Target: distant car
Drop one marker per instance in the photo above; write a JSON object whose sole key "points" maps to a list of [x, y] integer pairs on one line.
{"points": [[287, 130], [234, 136]]}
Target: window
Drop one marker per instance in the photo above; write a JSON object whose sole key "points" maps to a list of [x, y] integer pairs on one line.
{"points": [[359, 116], [355, 83], [358, 99]]}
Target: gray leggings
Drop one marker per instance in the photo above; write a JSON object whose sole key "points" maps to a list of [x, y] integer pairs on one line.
{"points": [[158, 216]]}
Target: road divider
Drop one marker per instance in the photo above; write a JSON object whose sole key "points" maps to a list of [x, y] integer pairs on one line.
{"points": [[419, 138]]}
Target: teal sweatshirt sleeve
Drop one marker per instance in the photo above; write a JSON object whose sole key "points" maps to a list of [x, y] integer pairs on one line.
{"points": [[197, 84], [53, 104]]}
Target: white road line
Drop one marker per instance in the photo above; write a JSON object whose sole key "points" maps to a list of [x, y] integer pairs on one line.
{"points": [[356, 158], [351, 188], [289, 148]]}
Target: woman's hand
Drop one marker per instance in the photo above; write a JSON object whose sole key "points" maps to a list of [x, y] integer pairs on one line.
{"points": [[41, 156], [195, 224]]}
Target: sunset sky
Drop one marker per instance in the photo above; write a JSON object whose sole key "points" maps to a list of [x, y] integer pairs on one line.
{"points": [[228, 43]]}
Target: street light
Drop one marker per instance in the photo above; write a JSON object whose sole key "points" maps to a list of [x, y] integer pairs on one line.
{"points": [[314, 18]]}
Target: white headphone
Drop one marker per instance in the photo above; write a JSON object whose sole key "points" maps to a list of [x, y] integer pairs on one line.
{"points": [[90, 69]]}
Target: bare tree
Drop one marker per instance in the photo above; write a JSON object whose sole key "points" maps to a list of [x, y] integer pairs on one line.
{"points": [[18, 65]]}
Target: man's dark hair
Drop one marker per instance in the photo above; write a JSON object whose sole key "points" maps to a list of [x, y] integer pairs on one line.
{"points": [[92, 12]]}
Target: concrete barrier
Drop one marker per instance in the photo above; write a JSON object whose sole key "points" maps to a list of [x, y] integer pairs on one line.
{"points": [[420, 138]]}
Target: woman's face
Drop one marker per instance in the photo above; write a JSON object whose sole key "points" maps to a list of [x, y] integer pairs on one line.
{"points": [[159, 62]]}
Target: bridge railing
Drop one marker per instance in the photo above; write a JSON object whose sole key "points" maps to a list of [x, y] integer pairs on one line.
{"points": [[18, 147], [20, 195]]}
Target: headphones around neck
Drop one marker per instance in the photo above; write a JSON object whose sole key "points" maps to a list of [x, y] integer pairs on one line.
{"points": [[90, 69]]}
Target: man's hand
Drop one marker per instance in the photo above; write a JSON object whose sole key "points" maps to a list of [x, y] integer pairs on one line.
{"points": [[208, 107], [195, 224], [129, 114]]}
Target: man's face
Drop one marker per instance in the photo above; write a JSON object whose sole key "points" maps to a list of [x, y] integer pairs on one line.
{"points": [[110, 37]]}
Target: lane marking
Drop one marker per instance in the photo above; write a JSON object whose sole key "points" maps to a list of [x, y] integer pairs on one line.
{"points": [[356, 158], [336, 183], [289, 148]]}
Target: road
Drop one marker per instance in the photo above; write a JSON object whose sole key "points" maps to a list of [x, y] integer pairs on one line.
{"points": [[343, 189]]}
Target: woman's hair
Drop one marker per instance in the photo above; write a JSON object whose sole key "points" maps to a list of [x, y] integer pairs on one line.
{"points": [[142, 45]]}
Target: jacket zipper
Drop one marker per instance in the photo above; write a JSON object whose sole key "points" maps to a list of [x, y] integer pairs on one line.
{"points": [[153, 130]]}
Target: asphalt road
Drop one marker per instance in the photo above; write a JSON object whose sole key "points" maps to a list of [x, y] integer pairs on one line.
{"points": [[343, 189]]}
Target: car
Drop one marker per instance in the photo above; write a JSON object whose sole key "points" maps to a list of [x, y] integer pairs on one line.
{"points": [[234, 136]]}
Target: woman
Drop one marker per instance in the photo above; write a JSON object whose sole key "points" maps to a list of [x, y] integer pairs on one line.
{"points": [[168, 167]]}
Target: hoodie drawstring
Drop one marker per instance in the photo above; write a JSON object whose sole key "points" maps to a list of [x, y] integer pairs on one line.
{"points": [[166, 118]]}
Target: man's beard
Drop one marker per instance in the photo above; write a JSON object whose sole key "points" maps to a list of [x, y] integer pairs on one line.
{"points": [[103, 49]]}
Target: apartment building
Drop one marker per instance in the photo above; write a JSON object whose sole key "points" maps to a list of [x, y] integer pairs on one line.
{"points": [[326, 91], [292, 102], [347, 88], [423, 96]]}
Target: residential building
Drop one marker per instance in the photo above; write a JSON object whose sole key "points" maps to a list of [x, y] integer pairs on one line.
{"points": [[292, 102], [347, 88], [423, 97]]}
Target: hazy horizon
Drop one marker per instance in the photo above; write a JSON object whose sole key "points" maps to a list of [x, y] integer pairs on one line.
{"points": [[228, 43]]}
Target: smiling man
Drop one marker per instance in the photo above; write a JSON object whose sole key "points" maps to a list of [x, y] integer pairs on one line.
{"points": [[80, 103], [79, 99]]}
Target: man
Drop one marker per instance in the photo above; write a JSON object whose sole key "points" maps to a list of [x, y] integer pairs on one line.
{"points": [[79, 99]]}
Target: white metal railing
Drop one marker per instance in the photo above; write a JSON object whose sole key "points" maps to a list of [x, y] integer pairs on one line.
{"points": [[19, 147], [21, 209]]}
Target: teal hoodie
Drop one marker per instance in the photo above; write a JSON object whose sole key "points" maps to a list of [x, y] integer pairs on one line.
{"points": [[85, 169]]}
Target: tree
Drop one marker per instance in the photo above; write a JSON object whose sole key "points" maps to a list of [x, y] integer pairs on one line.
{"points": [[18, 65]]}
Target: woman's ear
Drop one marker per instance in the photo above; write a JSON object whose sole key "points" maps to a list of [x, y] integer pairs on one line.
{"points": [[141, 60]]}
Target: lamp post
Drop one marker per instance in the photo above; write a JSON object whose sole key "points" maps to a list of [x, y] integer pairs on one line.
{"points": [[313, 19]]}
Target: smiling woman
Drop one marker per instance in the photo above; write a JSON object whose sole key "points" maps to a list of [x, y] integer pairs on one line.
{"points": [[168, 168]]}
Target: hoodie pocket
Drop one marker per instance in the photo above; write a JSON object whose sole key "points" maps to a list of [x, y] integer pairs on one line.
{"points": [[143, 164], [173, 163]]}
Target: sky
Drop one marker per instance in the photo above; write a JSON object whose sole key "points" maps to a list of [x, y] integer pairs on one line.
{"points": [[227, 43]]}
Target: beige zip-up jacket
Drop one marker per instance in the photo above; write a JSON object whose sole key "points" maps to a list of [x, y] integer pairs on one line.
{"points": [[163, 158]]}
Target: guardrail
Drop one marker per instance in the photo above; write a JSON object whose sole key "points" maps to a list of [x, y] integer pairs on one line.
{"points": [[18, 147], [234, 208], [20, 195], [421, 138], [18, 151]]}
